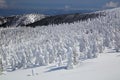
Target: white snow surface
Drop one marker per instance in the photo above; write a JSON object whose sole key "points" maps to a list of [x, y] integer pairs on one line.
{"points": [[105, 67]]}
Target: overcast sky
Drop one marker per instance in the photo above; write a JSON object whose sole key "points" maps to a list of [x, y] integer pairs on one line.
{"points": [[59, 3]]}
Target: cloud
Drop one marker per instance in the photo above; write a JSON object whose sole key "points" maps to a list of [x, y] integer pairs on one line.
{"points": [[3, 4], [67, 7], [111, 4]]}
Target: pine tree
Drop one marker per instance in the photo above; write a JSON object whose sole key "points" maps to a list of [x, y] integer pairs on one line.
{"points": [[76, 53], [60, 60], [70, 58]]}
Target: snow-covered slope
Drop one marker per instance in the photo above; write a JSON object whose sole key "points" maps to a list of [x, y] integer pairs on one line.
{"points": [[20, 20], [63, 45], [29, 18], [2, 20], [65, 18], [105, 67], [33, 20]]}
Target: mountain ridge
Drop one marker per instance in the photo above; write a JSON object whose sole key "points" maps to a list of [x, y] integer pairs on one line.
{"points": [[45, 20], [20, 20]]}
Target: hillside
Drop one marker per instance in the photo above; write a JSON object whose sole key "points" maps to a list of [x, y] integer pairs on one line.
{"points": [[67, 18], [65, 46], [20, 20], [33, 20]]}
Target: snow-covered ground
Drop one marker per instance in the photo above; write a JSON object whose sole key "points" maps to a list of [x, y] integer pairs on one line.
{"points": [[105, 67]]}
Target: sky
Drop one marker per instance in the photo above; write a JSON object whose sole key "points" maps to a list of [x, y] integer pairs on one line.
{"points": [[59, 4]]}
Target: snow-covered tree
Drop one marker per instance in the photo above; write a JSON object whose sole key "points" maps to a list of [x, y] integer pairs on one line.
{"points": [[70, 58], [117, 40], [76, 55], [1, 66], [60, 60]]}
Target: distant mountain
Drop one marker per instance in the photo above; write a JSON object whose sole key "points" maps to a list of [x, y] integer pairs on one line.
{"points": [[13, 17], [66, 18], [2, 20], [33, 20], [20, 20]]}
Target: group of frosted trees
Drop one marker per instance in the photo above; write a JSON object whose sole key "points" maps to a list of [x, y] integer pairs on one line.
{"points": [[63, 45]]}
